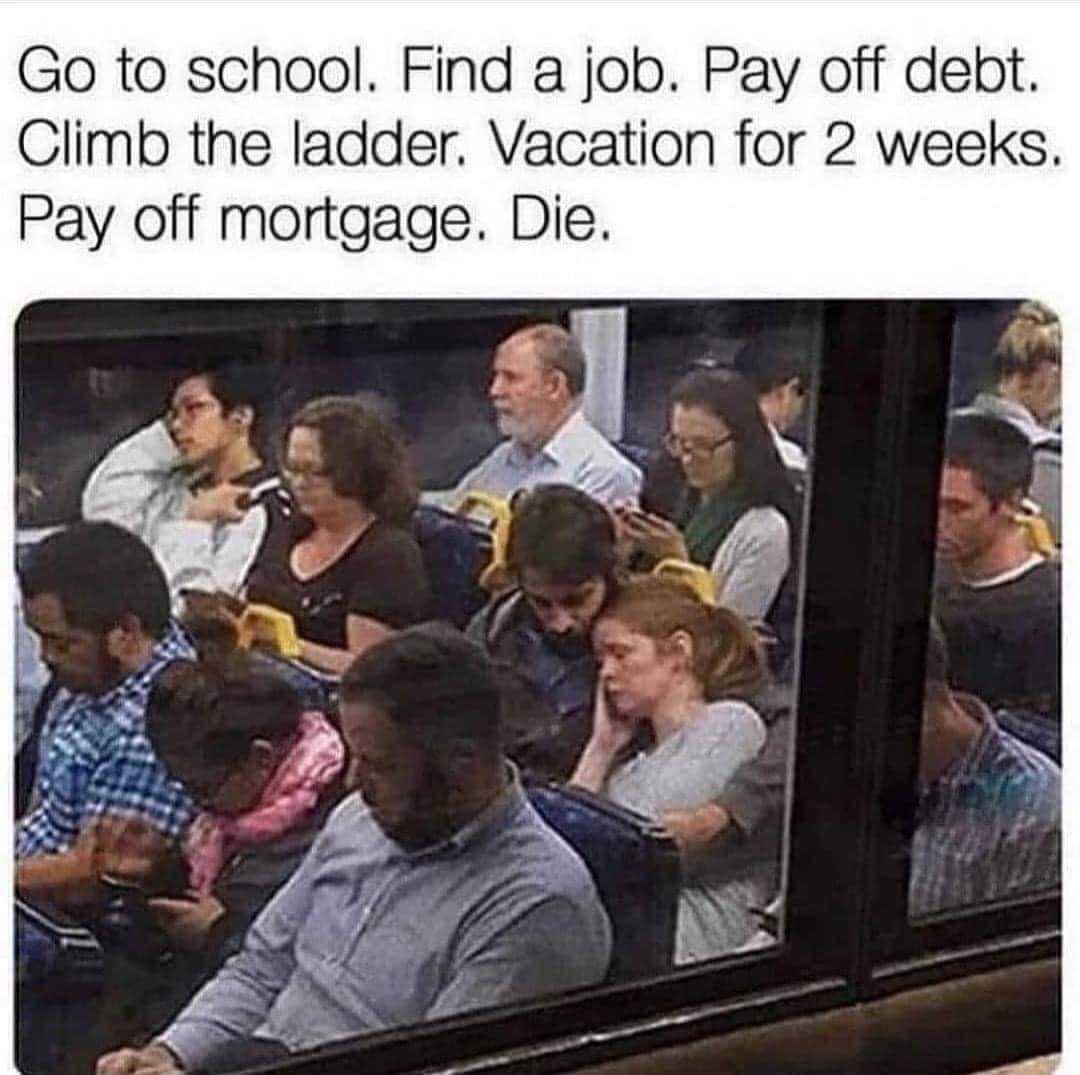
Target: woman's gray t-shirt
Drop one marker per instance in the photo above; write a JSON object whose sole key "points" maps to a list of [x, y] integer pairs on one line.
{"points": [[686, 770]]}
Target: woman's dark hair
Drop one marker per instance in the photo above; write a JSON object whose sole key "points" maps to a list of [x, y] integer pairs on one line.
{"points": [[563, 534], [770, 359], [201, 716], [731, 398], [364, 455]]}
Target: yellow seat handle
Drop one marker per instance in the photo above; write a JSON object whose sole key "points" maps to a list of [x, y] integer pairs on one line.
{"points": [[494, 576], [269, 628], [1038, 533], [698, 578]]}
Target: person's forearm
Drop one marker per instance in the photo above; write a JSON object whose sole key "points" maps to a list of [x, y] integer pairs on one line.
{"points": [[757, 790], [231, 1006], [326, 658], [593, 766], [698, 828], [362, 633], [66, 878]]}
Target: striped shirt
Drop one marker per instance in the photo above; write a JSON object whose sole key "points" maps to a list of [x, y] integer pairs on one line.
{"points": [[989, 827], [95, 759]]}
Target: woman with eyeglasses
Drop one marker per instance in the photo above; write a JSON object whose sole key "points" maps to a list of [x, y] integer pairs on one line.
{"points": [[735, 513], [684, 673], [348, 570], [193, 484]]}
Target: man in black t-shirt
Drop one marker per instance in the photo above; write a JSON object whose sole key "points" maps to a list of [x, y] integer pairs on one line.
{"points": [[999, 602]]}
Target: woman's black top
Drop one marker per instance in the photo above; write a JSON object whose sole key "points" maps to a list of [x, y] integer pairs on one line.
{"points": [[380, 576]]}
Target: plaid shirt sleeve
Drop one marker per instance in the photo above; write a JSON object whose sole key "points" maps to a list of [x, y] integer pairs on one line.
{"points": [[132, 782], [129, 782], [64, 771], [36, 834]]}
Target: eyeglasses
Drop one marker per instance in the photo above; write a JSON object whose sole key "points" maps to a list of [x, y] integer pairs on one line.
{"points": [[689, 446], [310, 474]]}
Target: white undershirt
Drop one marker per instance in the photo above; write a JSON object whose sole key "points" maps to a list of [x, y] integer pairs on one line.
{"points": [[1007, 576]]}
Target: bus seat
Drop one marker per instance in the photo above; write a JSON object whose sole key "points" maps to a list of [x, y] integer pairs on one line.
{"points": [[495, 513], [455, 551], [635, 866], [637, 454], [269, 635], [317, 689]]}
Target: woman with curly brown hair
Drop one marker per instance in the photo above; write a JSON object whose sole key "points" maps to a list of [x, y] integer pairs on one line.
{"points": [[349, 570], [682, 671]]}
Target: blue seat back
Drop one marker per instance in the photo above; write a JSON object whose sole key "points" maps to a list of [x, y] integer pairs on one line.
{"points": [[638, 454], [635, 867], [455, 551], [316, 689]]}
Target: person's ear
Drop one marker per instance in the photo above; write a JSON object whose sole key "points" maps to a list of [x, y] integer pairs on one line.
{"points": [[261, 755], [681, 644], [1012, 503], [459, 754], [124, 641], [556, 381], [242, 417]]}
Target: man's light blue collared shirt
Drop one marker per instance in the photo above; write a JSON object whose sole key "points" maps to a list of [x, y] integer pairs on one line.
{"points": [[576, 455], [366, 935]]}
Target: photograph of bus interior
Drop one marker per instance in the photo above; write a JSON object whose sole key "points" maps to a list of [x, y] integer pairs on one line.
{"points": [[537, 685]]}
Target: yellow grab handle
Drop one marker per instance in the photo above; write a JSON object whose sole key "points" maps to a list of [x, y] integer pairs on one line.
{"points": [[498, 512], [1038, 533], [269, 627], [698, 578]]}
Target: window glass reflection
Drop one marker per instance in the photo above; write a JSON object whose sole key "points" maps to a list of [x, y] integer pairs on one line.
{"points": [[390, 703], [989, 797]]}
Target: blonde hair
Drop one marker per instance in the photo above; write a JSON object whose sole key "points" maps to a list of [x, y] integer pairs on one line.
{"points": [[1032, 337], [727, 655]]}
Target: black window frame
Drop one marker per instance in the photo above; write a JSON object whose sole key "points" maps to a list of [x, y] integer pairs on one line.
{"points": [[902, 952]]}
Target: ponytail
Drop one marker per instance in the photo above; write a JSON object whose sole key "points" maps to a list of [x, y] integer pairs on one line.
{"points": [[736, 667]]}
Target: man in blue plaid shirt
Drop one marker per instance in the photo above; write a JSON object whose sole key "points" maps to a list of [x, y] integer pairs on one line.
{"points": [[99, 603]]}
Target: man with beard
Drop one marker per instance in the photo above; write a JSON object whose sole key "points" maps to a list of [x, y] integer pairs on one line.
{"points": [[434, 890], [98, 602], [537, 379], [561, 552]]}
